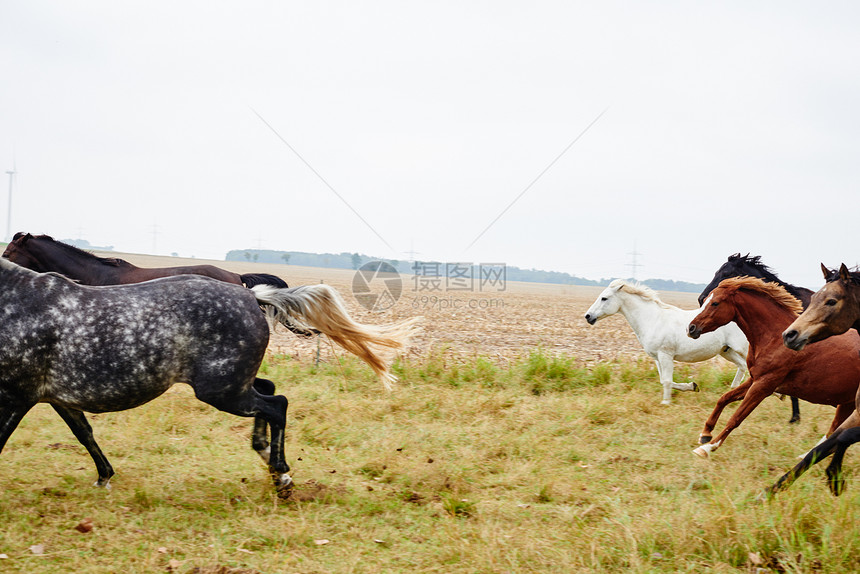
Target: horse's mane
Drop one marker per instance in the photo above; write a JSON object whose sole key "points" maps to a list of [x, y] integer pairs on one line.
{"points": [[773, 290], [111, 261], [754, 261], [853, 275], [643, 291]]}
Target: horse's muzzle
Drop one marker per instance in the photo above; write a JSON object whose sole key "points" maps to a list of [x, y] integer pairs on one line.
{"points": [[590, 318], [693, 331], [792, 339]]}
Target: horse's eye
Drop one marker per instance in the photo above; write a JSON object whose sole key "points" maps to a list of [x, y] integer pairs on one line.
{"points": [[604, 299], [715, 303], [830, 302]]}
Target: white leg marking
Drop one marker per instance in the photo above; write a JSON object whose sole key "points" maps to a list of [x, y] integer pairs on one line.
{"points": [[824, 438], [705, 450], [105, 485], [265, 454]]}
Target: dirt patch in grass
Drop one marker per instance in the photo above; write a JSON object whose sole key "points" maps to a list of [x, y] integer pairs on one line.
{"points": [[313, 491]]}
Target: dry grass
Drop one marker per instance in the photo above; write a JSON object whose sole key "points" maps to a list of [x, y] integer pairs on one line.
{"points": [[517, 469], [520, 442]]}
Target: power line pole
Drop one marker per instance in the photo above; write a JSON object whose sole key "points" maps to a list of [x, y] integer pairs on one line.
{"points": [[634, 264], [9, 210], [411, 253], [155, 232]]}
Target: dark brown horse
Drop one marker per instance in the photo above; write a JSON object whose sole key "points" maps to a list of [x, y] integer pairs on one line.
{"points": [[828, 374], [43, 254], [834, 309], [738, 265]]}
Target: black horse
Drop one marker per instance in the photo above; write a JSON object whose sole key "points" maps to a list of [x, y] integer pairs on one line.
{"points": [[103, 349], [746, 266]]}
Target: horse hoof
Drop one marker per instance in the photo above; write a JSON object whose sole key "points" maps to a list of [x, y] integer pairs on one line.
{"points": [[702, 452], [695, 388], [837, 485], [665, 402], [283, 485], [793, 420], [705, 439], [763, 496]]}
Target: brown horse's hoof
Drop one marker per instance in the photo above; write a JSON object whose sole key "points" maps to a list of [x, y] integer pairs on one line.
{"points": [[705, 439], [702, 452]]}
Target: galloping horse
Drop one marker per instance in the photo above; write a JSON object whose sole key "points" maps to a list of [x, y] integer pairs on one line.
{"points": [[828, 374], [44, 254], [662, 328], [103, 349], [834, 309], [739, 265]]}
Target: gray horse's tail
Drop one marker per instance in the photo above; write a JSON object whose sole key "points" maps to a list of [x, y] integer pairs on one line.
{"points": [[321, 307]]}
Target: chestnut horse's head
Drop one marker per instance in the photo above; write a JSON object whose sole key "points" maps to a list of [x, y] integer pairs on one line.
{"points": [[833, 310], [717, 310]]}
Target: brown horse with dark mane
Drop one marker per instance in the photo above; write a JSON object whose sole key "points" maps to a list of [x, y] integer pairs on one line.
{"points": [[828, 374], [43, 253], [834, 309]]}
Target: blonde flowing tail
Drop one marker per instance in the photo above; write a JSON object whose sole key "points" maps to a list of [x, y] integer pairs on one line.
{"points": [[321, 307]]}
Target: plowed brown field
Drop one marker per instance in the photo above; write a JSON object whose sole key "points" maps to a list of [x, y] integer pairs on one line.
{"points": [[499, 325]]}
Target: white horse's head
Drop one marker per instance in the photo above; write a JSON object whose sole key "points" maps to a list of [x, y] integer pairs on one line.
{"points": [[608, 303]]}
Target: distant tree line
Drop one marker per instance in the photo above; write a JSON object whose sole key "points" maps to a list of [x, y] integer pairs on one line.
{"points": [[355, 260]]}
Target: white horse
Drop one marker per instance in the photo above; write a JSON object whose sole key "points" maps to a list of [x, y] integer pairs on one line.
{"points": [[662, 330]]}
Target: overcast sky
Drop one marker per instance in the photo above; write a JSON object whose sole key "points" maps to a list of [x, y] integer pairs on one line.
{"points": [[387, 127]]}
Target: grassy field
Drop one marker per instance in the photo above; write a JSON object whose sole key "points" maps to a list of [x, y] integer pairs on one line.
{"points": [[519, 439], [539, 464]]}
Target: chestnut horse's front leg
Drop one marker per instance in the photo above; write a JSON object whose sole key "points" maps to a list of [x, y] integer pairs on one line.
{"points": [[755, 394], [730, 396]]}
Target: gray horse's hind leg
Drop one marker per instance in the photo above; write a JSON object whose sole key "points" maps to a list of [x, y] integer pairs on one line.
{"points": [[248, 402], [10, 417], [259, 438], [82, 430]]}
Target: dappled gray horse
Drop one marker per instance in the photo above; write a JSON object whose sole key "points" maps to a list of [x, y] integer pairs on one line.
{"points": [[101, 349]]}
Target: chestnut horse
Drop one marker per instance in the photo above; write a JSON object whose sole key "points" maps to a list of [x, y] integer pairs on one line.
{"points": [[834, 309], [738, 265], [828, 374]]}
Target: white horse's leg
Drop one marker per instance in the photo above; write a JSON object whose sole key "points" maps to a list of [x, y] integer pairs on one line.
{"points": [[666, 367], [740, 361], [667, 389], [739, 377]]}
